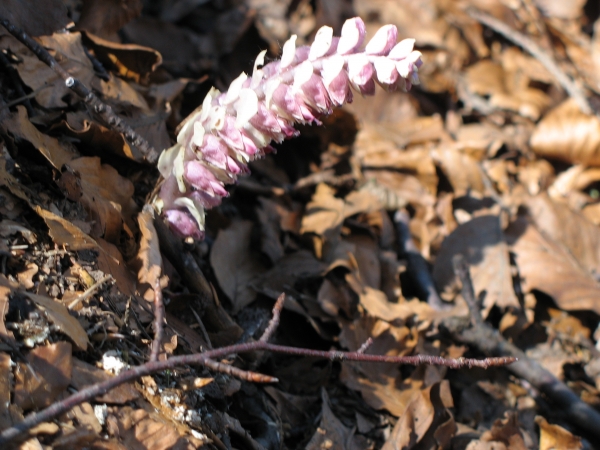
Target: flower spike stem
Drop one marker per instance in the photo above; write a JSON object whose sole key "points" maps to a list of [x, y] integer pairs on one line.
{"points": [[232, 128]]}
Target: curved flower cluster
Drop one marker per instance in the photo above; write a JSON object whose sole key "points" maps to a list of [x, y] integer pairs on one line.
{"points": [[232, 128]]}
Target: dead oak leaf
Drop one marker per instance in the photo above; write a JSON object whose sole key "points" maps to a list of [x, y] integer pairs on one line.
{"points": [[482, 243], [235, 264], [332, 433], [59, 315], [20, 127], [106, 195], [555, 436], [52, 367]]}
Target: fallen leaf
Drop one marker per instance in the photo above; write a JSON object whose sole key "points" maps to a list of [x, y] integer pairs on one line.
{"points": [[107, 196], [566, 244], [331, 433], [51, 365], [84, 375], [481, 242], [569, 135], [235, 264], [107, 17], [64, 232], [555, 436], [21, 128], [59, 315], [36, 18]]}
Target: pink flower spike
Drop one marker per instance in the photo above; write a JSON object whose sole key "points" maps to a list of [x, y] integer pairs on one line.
{"points": [[353, 35], [218, 140], [383, 41]]}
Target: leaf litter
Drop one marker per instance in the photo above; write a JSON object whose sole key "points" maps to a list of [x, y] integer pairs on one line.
{"points": [[490, 158]]}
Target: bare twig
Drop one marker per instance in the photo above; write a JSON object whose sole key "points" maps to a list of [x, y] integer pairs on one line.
{"points": [[546, 60], [202, 329], [247, 375], [416, 265], [89, 292], [159, 318], [363, 348], [274, 322], [488, 340], [104, 111], [208, 358]]}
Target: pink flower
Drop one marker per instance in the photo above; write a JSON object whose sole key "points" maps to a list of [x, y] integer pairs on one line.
{"points": [[233, 128]]}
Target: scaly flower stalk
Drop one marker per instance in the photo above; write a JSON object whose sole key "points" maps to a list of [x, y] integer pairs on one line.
{"points": [[232, 128]]}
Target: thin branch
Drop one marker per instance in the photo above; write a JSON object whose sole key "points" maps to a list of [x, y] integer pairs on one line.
{"points": [[208, 358], [489, 341], [274, 322], [363, 348], [104, 111], [159, 318], [89, 292], [546, 60], [246, 375]]}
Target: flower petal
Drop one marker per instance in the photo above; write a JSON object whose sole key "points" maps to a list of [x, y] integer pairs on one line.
{"points": [[353, 35], [383, 41], [321, 44]]}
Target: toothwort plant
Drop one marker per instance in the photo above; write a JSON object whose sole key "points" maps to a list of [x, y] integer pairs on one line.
{"points": [[232, 128]]}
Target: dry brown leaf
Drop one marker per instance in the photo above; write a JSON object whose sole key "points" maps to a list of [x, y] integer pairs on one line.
{"points": [[51, 365], [235, 264], [34, 17], [130, 61], [413, 424], [84, 374], [377, 305], [21, 128], [64, 232], [110, 261], [332, 433], [138, 429], [567, 134], [105, 18], [6, 288], [462, 170], [26, 277], [59, 315], [9, 413], [560, 9], [556, 437], [107, 196], [95, 136], [506, 431], [9, 228], [482, 243], [549, 267], [293, 409], [325, 212], [507, 83]]}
